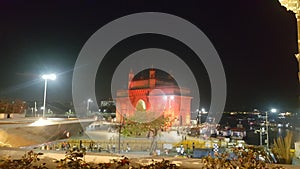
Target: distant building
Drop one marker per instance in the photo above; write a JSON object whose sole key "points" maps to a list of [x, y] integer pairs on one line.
{"points": [[105, 103], [107, 106], [155, 92], [12, 109]]}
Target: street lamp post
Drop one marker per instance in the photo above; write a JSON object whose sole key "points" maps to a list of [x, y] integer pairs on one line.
{"points": [[119, 139], [35, 109], [88, 105], [267, 129], [267, 125], [260, 136], [200, 112], [46, 77], [122, 120], [198, 117]]}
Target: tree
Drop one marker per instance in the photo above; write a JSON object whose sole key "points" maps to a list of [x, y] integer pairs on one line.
{"points": [[282, 148], [70, 113], [136, 126]]}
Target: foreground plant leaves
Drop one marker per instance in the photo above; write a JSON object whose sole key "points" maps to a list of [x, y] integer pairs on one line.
{"points": [[75, 160], [28, 161]]}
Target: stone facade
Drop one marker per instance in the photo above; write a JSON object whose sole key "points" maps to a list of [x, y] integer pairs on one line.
{"points": [[155, 96]]}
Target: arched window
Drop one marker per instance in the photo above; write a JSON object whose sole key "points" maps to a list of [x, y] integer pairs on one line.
{"points": [[141, 105]]}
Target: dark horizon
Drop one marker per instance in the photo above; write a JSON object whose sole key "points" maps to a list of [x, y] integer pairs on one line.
{"points": [[255, 40]]}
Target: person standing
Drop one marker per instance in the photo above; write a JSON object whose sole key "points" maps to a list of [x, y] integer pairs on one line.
{"points": [[128, 148], [181, 149], [68, 146], [193, 146], [114, 148], [80, 144], [178, 150]]}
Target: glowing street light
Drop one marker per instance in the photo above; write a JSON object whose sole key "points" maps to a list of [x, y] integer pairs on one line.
{"points": [[267, 125], [46, 77], [200, 111], [273, 110]]}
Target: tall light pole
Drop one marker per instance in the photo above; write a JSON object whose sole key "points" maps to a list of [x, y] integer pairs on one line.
{"points": [[35, 109], [88, 105], [46, 77], [267, 129], [260, 135], [267, 125], [122, 120], [200, 112], [200, 117]]}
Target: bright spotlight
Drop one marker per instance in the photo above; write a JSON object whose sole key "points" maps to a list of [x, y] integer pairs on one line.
{"points": [[273, 110], [51, 76], [47, 77]]}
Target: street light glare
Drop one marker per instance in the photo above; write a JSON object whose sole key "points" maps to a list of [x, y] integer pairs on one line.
{"points": [[49, 76], [273, 110], [165, 97]]}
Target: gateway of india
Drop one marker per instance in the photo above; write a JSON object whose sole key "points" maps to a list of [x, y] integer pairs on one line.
{"points": [[155, 93]]}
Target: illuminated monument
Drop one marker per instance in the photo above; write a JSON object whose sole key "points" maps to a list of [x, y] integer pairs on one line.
{"points": [[157, 94], [293, 5]]}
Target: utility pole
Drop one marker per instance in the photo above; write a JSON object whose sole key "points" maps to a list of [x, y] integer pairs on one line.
{"points": [[119, 146], [120, 129], [34, 108], [267, 129], [260, 136]]}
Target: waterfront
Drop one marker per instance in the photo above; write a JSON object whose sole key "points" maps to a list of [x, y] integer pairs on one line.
{"points": [[253, 138], [252, 123]]}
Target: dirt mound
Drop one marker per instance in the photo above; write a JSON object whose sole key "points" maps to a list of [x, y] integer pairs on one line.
{"points": [[33, 135]]}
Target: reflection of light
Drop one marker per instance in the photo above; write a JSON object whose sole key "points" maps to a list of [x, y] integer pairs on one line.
{"points": [[273, 110], [165, 97], [49, 76], [41, 122], [170, 97]]}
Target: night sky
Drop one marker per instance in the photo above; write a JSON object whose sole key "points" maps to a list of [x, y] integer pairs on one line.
{"points": [[256, 41]]}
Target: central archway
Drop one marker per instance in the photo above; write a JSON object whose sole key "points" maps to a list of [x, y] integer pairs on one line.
{"points": [[140, 105]]}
